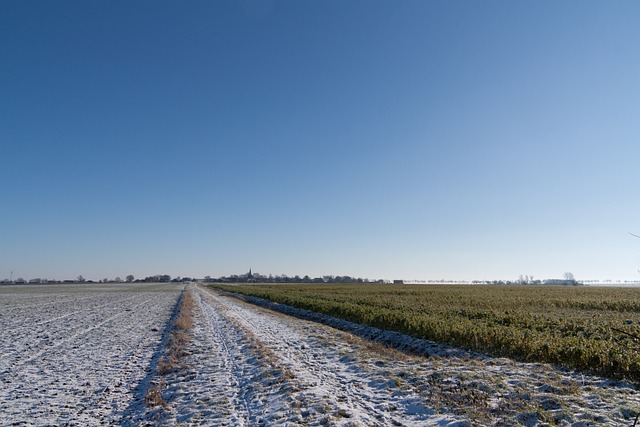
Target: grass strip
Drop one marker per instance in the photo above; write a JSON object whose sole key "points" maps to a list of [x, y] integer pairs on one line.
{"points": [[175, 350]]}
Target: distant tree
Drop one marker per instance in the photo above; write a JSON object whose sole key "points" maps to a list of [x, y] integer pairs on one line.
{"points": [[158, 278], [569, 278], [80, 279], [117, 280], [130, 278], [525, 280]]}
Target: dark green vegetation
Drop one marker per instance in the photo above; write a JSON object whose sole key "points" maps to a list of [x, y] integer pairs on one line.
{"points": [[589, 329]]}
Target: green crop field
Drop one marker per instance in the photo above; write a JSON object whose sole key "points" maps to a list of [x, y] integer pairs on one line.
{"points": [[591, 329]]}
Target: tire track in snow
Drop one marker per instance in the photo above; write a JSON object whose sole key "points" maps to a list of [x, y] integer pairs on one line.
{"points": [[324, 387], [333, 385], [221, 332], [225, 382]]}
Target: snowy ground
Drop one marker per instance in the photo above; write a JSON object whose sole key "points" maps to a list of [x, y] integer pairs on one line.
{"points": [[86, 357], [76, 355]]}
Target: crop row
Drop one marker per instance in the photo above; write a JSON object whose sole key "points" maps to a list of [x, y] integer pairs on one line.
{"points": [[589, 329]]}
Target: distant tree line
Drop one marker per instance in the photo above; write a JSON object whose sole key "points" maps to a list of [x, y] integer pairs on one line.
{"points": [[251, 277], [568, 279], [165, 278], [283, 278]]}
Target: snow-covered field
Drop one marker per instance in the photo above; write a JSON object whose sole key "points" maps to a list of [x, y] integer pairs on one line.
{"points": [[77, 355], [86, 357]]}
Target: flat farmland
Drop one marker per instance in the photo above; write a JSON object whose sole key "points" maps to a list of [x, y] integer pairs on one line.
{"points": [[91, 355], [79, 354]]}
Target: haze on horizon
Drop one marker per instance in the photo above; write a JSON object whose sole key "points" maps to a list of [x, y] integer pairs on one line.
{"points": [[420, 140]]}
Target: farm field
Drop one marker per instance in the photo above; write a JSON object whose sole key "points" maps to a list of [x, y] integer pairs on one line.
{"points": [[78, 354], [88, 355], [589, 329]]}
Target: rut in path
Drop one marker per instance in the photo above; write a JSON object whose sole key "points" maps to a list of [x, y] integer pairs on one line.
{"points": [[251, 366], [227, 381]]}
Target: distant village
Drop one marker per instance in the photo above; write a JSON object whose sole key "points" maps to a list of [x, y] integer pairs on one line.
{"points": [[251, 277]]}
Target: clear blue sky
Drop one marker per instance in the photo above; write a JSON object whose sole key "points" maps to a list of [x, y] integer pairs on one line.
{"points": [[381, 139]]}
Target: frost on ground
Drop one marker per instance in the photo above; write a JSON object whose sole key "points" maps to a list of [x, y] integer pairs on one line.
{"points": [[250, 366], [78, 355]]}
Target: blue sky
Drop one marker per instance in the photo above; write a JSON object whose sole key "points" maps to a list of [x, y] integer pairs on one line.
{"points": [[413, 139]]}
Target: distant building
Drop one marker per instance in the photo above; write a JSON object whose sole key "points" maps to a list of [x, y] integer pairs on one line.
{"points": [[398, 282]]}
